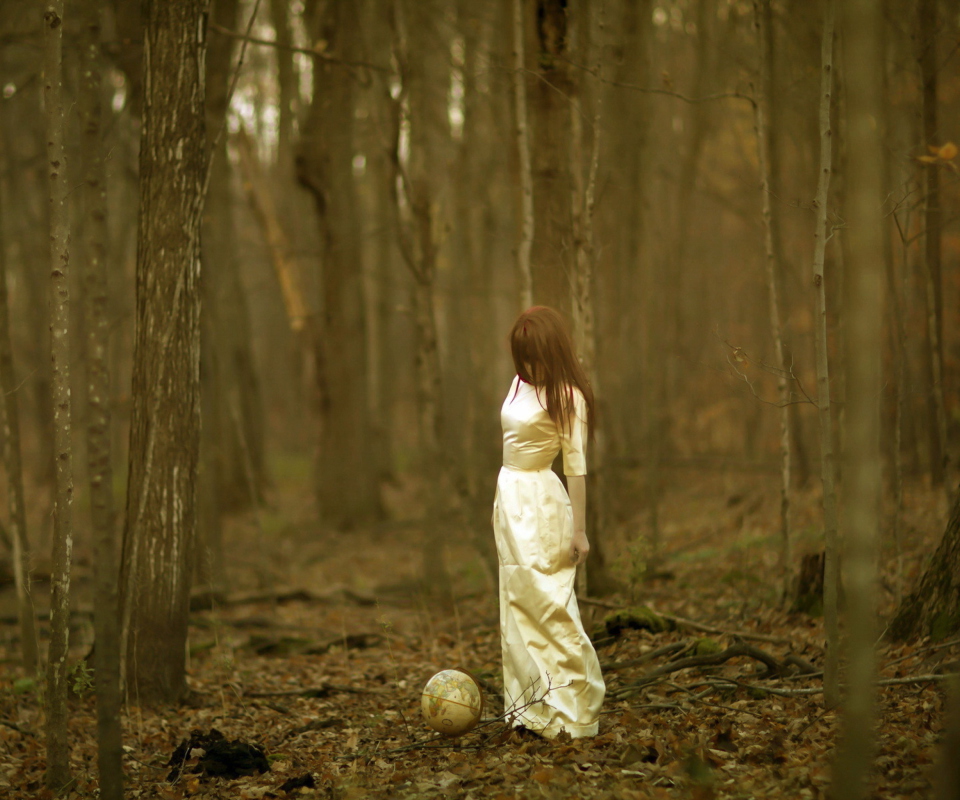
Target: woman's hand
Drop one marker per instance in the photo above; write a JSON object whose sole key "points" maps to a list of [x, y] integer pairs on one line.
{"points": [[579, 548]]}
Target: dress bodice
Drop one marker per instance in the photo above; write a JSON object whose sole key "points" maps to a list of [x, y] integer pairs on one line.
{"points": [[531, 440]]}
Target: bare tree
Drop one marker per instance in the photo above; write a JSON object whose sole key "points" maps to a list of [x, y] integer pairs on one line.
{"points": [[862, 309], [99, 462], [58, 748], [828, 468], [160, 532], [347, 487], [774, 281], [420, 106], [932, 223], [524, 279], [13, 462], [550, 61]]}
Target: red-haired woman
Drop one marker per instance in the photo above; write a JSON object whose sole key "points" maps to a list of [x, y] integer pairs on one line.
{"points": [[551, 675]]}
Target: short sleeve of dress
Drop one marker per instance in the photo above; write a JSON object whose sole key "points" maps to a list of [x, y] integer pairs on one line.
{"points": [[573, 439]]}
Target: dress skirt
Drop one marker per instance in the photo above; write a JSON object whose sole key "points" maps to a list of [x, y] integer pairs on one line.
{"points": [[551, 675]]}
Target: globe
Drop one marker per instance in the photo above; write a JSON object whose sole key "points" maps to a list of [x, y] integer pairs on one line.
{"points": [[452, 702]]}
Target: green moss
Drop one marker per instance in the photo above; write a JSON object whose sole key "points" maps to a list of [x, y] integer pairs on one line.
{"points": [[707, 647], [636, 618], [810, 604], [943, 625]]}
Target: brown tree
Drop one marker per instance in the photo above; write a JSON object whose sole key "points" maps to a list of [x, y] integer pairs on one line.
{"points": [[862, 309], [931, 608], [99, 462], [346, 484], [160, 532], [13, 462], [58, 748]]}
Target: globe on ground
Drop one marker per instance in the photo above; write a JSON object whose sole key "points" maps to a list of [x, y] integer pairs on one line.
{"points": [[452, 702]]}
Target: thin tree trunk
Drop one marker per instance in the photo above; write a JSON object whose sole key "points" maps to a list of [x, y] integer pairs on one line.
{"points": [[583, 204], [899, 340], [13, 461], [422, 98], [549, 60], [99, 463], [524, 279], [932, 216], [58, 747], [774, 270], [828, 468], [160, 534], [862, 308], [347, 486], [280, 11]]}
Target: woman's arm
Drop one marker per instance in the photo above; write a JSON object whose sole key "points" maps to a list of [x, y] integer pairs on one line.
{"points": [[577, 489]]}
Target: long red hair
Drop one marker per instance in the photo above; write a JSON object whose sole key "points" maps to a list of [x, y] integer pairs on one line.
{"points": [[543, 355]]}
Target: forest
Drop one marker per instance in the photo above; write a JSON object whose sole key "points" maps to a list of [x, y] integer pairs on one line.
{"points": [[258, 264]]}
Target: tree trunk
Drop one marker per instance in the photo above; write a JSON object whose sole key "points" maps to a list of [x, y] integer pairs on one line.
{"points": [[828, 467], [160, 534], [58, 747], [524, 276], [932, 608], [549, 59], [99, 463], [932, 216], [421, 104], [863, 307], [13, 462], [22, 124], [286, 83], [347, 488], [774, 283], [232, 421]]}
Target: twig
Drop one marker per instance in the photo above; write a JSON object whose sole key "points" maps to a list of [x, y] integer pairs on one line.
{"points": [[309, 51], [321, 691], [18, 729], [666, 650], [682, 622], [699, 698], [734, 651], [927, 649]]}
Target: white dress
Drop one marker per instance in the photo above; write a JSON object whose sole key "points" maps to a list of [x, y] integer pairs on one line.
{"points": [[551, 675]]}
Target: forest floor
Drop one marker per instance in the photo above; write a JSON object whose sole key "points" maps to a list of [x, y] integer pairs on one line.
{"points": [[319, 653]]}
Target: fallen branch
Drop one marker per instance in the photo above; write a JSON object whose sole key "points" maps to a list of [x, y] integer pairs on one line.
{"points": [[740, 649], [324, 690], [683, 622], [666, 650], [205, 599], [18, 729]]}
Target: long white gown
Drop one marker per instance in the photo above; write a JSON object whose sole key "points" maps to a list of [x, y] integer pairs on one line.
{"points": [[547, 656]]}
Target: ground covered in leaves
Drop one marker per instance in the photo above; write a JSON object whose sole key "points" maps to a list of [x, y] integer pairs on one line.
{"points": [[311, 669]]}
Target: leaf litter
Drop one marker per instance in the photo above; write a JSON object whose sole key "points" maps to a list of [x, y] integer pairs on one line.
{"points": [[323, 689]]}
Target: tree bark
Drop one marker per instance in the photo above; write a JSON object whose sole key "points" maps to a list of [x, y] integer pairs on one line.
{"points": [[13, 462], [99, 462], [549, 59], [160, 534], [58, 747], [774, 283], [421, 103], [932, 608], [347, 481], [863, 307], [524, 277], [932, 223], [828, 467]]}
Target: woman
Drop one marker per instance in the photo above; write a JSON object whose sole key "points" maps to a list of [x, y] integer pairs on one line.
{"points": [[551, 675]]}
